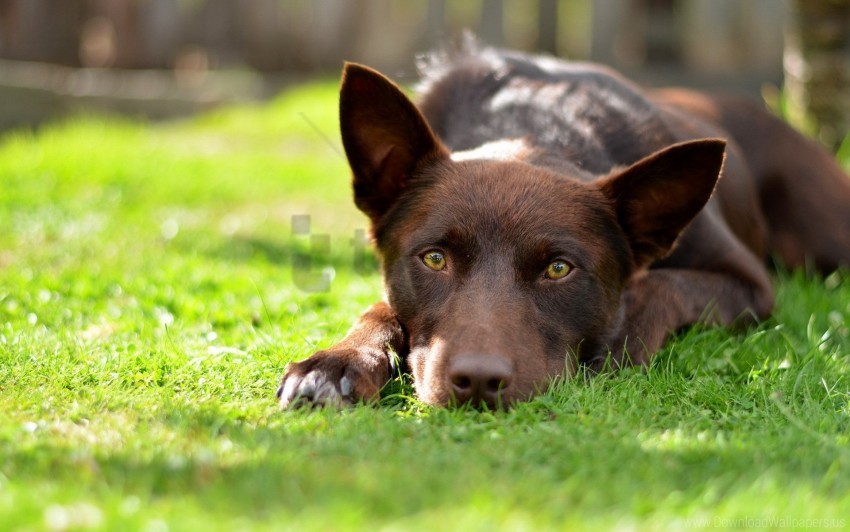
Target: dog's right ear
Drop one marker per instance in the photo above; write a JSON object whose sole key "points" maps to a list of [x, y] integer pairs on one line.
{"points": [[385, 137]]}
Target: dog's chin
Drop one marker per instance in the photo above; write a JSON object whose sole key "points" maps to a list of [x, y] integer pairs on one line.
{"points": [[444, 399]]}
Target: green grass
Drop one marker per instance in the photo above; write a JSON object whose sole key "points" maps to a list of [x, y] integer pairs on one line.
{"points": [[148, 306]]}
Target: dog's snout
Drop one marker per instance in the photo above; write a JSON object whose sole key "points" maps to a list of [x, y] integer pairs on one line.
{"points": [[479, 378]]}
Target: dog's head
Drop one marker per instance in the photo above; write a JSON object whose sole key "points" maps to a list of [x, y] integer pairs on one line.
{"points": [[503, 273]]}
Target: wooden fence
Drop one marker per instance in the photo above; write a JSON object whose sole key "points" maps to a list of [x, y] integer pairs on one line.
{"points": [[315, 35], [179, 42]]}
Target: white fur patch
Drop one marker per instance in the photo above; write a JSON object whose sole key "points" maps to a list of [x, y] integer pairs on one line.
{"points": [[498, 150]]}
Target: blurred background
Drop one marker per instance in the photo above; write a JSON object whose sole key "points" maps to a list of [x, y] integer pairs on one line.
{"points": [[166, 58]]}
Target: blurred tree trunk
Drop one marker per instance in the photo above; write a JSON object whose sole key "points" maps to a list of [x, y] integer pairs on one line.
{"points": [[817, 68], [42, 30], [436, 23], [547, 26], [492, 29]]}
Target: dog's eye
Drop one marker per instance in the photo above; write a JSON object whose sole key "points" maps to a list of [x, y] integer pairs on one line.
{"points": [[558, 270], [434, 260]]}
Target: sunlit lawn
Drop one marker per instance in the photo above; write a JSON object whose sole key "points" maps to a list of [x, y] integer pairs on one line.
{"points": [[149, 303]]}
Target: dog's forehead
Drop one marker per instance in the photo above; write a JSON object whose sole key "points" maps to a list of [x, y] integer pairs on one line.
{"points": [[511, 194], [506, 204]]}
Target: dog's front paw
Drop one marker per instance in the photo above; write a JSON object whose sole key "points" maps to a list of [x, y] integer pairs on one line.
{"points": [[331, 378]]}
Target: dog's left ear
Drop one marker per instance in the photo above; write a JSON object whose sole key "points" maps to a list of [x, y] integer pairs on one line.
{"points": [[385, 137], [658, 196]]}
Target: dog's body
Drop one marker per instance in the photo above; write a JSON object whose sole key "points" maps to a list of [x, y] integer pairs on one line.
{"points": [[538, 214]]}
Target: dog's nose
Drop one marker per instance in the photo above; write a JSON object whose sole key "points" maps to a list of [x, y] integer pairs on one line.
{"points": [[477, 379]]}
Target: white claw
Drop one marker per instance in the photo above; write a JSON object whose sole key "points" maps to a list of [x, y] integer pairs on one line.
{"points": [[345, 386]]}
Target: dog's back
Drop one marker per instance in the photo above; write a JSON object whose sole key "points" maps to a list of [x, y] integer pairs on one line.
{"points": [[586, 114]]}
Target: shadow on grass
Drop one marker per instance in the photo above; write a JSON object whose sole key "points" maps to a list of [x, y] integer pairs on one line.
{"points": [[245, 249], [375, 466], [291, 253]]}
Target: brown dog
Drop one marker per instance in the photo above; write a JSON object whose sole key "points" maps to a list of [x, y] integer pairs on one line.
{"points": [[532, 215]]}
